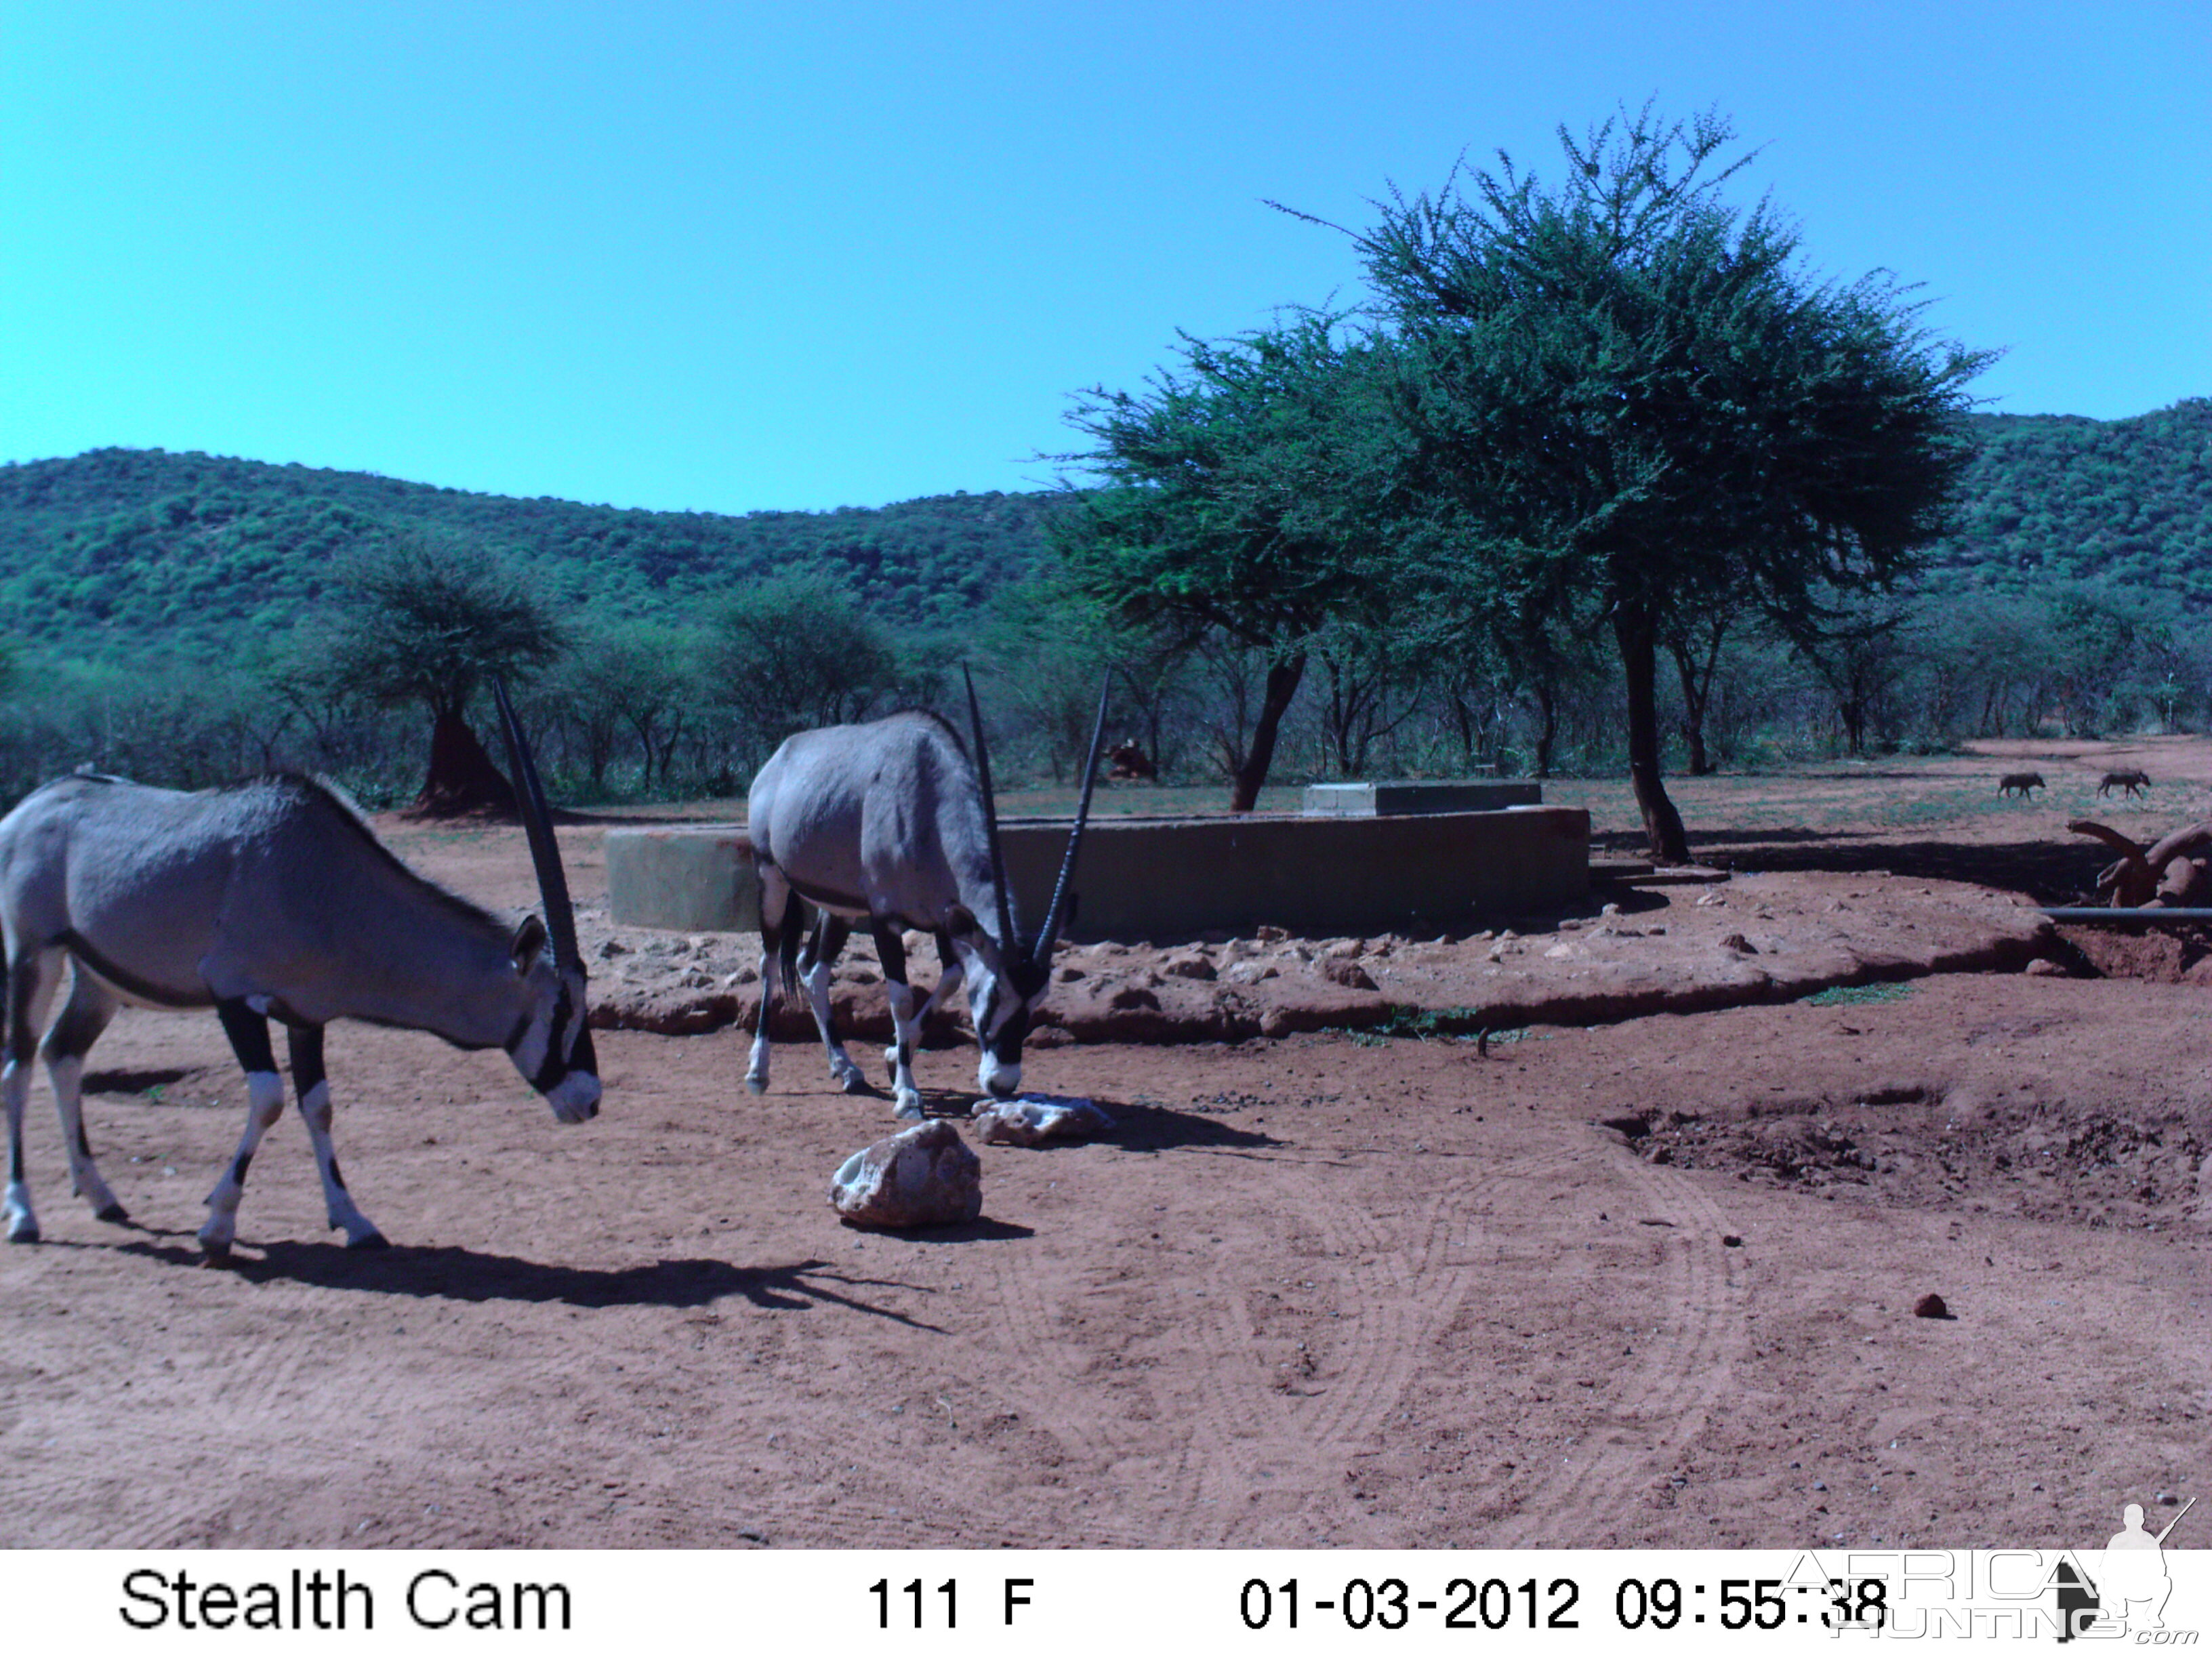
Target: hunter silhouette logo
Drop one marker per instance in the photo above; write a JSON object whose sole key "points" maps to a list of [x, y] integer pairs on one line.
{"points": [[2131, 1586]]}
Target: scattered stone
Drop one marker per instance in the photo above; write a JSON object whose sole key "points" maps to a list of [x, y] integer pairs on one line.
{"points": [[1192, 966], [1734, 1241], [1345, 971], [1133, 996], [1250, 973], [1608, 909], [1704, 899], [924, 1176], [1738, 943], [1931, 1306], [2045, 968], [1272, 935], [1032, 1120]]}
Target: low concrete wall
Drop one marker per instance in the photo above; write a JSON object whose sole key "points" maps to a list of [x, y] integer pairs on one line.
{"points": [[1370, 800], [695, 878], [1157, 877]]}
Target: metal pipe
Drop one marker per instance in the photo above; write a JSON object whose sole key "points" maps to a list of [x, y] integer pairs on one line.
{"points": [[2098, 915]]}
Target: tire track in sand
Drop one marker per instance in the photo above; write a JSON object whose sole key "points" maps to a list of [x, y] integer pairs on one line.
{"points": [[1657, 1410], [1230, 1450]]}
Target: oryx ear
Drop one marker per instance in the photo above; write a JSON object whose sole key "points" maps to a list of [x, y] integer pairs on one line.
{"points": [[528, 941]]}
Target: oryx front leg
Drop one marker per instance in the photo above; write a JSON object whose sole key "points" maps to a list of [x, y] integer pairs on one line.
{"points": [[906, 1026], [248, 1032], [830, 933], [779, 916], [31, 982], [83, 1018], [313, 1089]]}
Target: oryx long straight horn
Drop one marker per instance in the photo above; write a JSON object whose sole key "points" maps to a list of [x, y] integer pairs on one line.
{"points": [[1055, 915], [537, 826], [1006, 916]]}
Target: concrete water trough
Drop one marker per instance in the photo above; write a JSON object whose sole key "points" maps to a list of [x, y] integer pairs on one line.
{"points": [[1317, 876], [1371, 800]]}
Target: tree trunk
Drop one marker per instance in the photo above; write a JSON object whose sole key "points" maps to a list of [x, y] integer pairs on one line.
{"points": [[1633, 628], [462, 778], [1696, 696], [1547, 731], [1282, 686]]}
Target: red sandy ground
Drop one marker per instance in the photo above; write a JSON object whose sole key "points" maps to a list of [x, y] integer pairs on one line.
{"points": [[1647, 1282]]}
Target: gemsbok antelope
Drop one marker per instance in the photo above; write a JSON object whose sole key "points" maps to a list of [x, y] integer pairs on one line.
{"points": [[891, 824], [270, 899]]}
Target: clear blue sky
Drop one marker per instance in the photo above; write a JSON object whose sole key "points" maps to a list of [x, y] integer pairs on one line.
{"points": [[733, 256]]}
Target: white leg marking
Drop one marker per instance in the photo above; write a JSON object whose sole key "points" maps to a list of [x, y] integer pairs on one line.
{"points": [[906, 1036], [44, 971], [842, 1066], [66, 1074], [264, 1104], [757, 1066], [22, 1221], [360, 1232]]}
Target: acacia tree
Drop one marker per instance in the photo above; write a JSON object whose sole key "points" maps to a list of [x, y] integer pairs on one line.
{"points": [[425, 620], [793, 650], [1637, 405], [1246, 496]]}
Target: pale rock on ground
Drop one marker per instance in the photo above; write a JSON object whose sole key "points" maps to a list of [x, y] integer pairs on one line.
{"points": [[924, 1176], [1032, 1120]]}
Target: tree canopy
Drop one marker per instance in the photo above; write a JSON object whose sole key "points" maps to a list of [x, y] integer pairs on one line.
{"points": [[1247, 493], [1625, 396], [430, 622]]}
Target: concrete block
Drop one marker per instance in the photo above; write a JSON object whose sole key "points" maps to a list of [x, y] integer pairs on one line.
{"points": [[694, 878], [1369, 800], [1158, 878]]}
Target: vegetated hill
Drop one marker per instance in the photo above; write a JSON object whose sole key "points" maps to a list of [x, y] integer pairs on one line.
{"points": [[119, 552], [2059, 498]]}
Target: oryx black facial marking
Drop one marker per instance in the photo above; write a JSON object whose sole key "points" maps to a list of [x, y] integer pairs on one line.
{"points": [[269, 899], [893, 823]]}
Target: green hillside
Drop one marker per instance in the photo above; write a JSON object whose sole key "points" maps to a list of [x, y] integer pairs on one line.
{"points": [[120, 555], [118, 552], [2058, 498]]}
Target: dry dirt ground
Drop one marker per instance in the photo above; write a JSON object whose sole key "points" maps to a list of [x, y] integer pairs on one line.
{"points": [[1629, 1276]]}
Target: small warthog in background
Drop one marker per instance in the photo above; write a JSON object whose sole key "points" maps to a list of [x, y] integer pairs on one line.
{"points": [[2020, 783], [2134, 782]]}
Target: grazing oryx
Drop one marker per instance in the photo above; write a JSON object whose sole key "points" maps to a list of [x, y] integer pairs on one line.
{"points": [[891, 823], [270, 899]]}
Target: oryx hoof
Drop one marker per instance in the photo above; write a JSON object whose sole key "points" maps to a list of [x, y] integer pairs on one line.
{"points": [[756, 1083], [854, 1084], [110, 1211], [371, 1240], [214, 1252], [23, 1233], [909, 1106]]}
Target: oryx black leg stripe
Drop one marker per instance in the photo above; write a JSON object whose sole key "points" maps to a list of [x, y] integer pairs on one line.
{"points": [[249, 1035], [306, 1044]]}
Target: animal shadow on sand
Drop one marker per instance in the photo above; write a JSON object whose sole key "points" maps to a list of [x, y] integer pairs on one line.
{"points": [[1139, 1126], [137, 1080], [455, 1274], [2050, 872]]}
